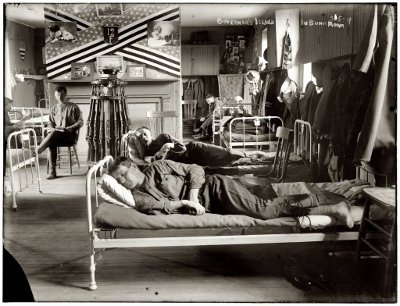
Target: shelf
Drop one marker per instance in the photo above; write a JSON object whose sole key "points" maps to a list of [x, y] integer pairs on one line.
{"points": [[126, 80]]}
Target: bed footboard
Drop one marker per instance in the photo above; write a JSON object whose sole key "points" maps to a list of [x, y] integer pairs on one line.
{"points": [[231, 143], [20, 148]]}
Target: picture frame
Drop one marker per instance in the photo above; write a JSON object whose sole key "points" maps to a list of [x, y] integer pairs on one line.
{"points": [[109, 9], [163, 33], [228, 44], [60, 33], [242, 43], [235, 50], [136, 71], [107, 63], [82, 71]]}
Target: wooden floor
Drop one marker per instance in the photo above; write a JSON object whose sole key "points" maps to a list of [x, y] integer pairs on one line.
{"points": [[48, 236]]}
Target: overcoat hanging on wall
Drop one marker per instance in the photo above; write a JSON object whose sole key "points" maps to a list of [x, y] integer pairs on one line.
{"points": [[308, 104], [197, 88], [369, 132], [321, 119]]}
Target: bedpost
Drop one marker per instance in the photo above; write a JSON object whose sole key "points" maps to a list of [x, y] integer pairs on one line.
{"points": [[92, 235]]}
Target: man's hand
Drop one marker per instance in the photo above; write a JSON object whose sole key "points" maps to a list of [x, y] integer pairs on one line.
{"points": [[193, 208], [167, 146], [202, 119], [148, 159]]}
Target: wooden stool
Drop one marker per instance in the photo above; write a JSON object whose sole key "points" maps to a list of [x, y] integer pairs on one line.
{"points": [[385, 198], [71, 154]]}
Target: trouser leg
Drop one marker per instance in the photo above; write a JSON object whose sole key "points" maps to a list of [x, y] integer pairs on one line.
{"points": [[205, 154], [52, 141], [225, 196], [53, 156]]}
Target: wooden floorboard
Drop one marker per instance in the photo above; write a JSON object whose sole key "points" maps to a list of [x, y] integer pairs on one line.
{"points": [[48, 236]]}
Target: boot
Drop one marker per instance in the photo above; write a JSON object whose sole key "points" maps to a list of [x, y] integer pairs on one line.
{"points": [[53, 173]]}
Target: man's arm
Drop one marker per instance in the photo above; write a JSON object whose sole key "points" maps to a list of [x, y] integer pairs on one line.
{"points": [[148, 205], [193, 173], [171, 149], [52, 123], [77, 114]]}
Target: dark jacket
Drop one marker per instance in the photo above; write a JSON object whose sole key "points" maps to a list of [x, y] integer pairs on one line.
{"points": [[166, 181]]}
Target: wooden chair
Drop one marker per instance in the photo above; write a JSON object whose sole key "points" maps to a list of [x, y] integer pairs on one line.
{"points": [[71, 154], [188, 116], [162, 122]]}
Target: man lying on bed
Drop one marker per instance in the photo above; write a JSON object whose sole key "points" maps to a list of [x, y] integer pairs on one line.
{"points": [[144, 149], [170, 187]]}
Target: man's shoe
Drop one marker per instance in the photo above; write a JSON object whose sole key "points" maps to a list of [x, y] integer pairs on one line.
{"points": [[52, 175]]}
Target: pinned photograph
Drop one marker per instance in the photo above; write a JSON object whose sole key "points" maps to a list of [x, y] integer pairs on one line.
{"points": [[136, 71], [60, 33], [163, 33], [109, 9], [82, 71], [228, 44]]}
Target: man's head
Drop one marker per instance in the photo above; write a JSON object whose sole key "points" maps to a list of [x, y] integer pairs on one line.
{"points": [[238, 100], [126, 172], [145, 136], [7, 105], [210, 99], [60, 94]]}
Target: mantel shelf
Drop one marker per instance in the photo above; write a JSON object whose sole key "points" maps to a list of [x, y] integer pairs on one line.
{"points": [[126, 80]]}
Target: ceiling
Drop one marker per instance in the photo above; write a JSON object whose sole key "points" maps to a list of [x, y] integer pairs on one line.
{"points": [[192, 15]]}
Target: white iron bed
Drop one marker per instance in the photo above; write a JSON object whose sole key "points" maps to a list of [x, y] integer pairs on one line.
{"points": [[98, 227], [39, 119], [22, 165]]}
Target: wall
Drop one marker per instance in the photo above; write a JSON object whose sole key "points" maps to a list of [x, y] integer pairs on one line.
{"points": [[132, 42], [217, 35], [21, 36]]}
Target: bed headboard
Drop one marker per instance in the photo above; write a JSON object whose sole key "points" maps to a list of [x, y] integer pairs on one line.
{"points": [[95, 172]]}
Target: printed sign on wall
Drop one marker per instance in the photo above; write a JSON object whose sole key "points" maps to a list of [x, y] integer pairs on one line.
{"points": [[110, 34]]}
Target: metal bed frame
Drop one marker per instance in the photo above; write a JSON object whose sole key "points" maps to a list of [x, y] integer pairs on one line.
{"points": [[100, 244], [231, 143], [218, 115], [36, 121], [25, 135]]}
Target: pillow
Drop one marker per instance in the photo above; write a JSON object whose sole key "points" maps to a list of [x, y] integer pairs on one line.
{"points": [[113, 192]]}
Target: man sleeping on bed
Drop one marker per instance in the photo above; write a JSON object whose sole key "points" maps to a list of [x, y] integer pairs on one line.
{"points": [[171, 187], [144, 149]]}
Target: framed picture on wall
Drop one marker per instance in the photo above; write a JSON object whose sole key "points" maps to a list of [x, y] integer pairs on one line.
{"points": [[60, 33], [82, 71], [109, 64], [163, 33], [136, 71], [108, 9]]}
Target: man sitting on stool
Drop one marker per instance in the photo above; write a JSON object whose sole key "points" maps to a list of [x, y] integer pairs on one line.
{"points": [[64, 121]]}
